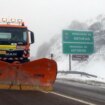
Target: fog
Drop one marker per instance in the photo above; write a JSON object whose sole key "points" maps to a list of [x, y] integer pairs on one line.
{"points": [[47, 18]]}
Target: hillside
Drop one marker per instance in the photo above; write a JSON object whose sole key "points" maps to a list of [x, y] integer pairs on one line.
{"points": [[96, 62]]}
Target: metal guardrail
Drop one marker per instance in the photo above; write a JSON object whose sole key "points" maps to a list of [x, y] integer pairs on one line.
{"points": [[77, 72]]}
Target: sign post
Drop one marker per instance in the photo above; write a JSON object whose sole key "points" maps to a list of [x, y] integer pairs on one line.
{"points": [[69, 62], [77, 42]]}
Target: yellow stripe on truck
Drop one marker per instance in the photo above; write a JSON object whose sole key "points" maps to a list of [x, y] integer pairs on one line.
{"points": [[7, 47]]}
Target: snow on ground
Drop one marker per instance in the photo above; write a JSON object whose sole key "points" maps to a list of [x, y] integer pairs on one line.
{"points": [[95, 65], [79, 77], [94, 68]]}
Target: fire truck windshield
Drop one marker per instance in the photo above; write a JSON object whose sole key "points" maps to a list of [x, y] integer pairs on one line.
{"points": [[13, 35]]}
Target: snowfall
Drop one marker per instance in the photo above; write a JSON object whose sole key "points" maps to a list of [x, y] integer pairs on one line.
{"points": [[90, 71]]}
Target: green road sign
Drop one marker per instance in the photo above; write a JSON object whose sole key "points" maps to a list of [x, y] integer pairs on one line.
{"points": [[75, 48], [78, 42], [77, 36]]}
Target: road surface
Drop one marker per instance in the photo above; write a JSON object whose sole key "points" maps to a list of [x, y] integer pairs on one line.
{"points": [[63, 94], [89, 93]]}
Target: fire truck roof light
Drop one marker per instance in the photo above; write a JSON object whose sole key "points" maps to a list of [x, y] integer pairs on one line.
{"points": [[4, 20], [11, 21], [19, 20]]}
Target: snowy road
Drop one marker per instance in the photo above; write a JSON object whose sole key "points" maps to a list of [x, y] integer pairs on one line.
{"points": [[64, 94], [13, 97]]}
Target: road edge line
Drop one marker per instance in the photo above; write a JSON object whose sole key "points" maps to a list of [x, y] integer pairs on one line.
{"points": [[72, 98]]}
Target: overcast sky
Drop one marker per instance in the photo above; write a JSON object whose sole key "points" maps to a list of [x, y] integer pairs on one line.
{"points": [[48, 17]]}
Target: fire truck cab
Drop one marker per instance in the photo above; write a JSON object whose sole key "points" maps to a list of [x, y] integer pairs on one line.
{"points": [[15, 40]]}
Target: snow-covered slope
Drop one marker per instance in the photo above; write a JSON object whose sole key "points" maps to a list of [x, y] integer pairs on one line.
{"points": [[96, 62]]}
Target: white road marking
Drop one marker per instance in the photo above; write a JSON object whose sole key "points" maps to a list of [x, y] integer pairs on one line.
{"points": [[44, 91], [72, 98]]}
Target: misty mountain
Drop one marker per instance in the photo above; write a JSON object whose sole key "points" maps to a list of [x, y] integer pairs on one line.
{"points": [[55, 44]]}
